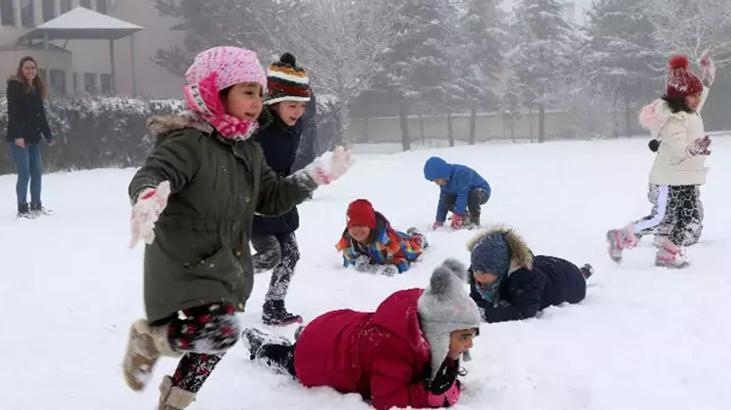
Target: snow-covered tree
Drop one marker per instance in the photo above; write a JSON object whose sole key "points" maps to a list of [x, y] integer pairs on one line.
{"points": [[417, 66], [342, 42], [692, 26], [543, 55], [480, 59], [620, 55], [261, 25]]}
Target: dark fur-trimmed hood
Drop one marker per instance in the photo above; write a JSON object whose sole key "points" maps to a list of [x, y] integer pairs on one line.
{"points": [[520, 254]]}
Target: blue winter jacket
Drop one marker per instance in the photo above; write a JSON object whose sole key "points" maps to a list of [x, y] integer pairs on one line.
{"points": [[461, 180]]}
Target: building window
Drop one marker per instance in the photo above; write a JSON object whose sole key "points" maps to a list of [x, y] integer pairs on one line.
{"points": [[49, 11], [106, 83], [90, 83], [57, 82], [101, 6], [85, 3], [26, 13], [65, 5], [7, 12]]}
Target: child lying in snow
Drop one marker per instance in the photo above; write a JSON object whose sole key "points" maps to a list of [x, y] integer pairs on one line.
{"points": [[508, 283], [370, 244], [406, 353]]}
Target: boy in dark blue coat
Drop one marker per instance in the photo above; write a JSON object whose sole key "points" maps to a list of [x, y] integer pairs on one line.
{"points": [[461, 189], [508, 283], [273, 238]]}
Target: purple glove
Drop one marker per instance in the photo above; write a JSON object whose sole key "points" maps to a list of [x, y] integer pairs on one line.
{"points": [[700, 146]]}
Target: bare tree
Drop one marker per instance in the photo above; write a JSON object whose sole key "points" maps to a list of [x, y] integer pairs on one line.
{"points": [[341, 41], [691, 26]]}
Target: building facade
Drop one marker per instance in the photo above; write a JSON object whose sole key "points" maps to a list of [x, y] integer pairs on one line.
{"points": [[82, 67]]}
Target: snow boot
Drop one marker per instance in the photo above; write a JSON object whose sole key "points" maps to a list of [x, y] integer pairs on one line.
{"points": [[586, 271], [273, 351], [621, 239], [173, 397], [670, 255], [419, 237], [145, 345], [24, 212], [473, 221], [38, 210], [275, 314]]}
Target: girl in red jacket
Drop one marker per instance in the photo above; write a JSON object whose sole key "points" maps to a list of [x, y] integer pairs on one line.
{"points": [[406, 353]]}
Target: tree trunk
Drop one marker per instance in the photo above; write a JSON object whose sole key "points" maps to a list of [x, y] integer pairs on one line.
{"points": [[344, 138], [366, 134], [450, 131], [404, 122], [422, 135], [473, 119], [512, 127], [541, 123], [627, 113]]}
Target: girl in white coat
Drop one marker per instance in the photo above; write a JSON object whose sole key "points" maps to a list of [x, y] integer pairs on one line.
{"points": [[679, 168]]}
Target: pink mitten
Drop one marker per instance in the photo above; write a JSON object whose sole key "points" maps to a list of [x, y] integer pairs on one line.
{"points": [[446, 399], [457, 221], [324, 170], [150, 204], [700, 146], [437, 225], [708, 68]]}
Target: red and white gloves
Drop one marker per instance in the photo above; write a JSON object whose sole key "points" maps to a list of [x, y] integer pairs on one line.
{"points": [[329, 166], [457, 221], [456, 224], [708, 68], [700, 146], [150, 204]]}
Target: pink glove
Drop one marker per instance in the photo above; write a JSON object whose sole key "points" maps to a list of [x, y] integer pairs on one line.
{"points": [[700, 146], [324, 170], [437, 225], [708, 68], [457, 221], [448, 398], [149, 206]]}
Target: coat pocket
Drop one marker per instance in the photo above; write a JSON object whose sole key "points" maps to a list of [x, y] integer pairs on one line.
{"points": [[220, 266]]}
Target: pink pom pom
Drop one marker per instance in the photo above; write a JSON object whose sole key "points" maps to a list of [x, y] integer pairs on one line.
{"points": [[678, 61]]}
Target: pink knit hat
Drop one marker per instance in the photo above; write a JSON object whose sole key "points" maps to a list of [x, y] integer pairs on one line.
{"points": [[214, 70]]}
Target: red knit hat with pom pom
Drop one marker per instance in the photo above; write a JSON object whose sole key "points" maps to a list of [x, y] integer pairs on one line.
{"points": [[361, 213], [681, 81]]}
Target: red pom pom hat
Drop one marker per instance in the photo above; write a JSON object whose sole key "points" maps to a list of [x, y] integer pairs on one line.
{"points": [[681, 81], [361, 213]]}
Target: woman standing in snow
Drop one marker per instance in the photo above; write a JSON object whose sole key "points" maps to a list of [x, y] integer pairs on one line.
{"points": [[27, 123], [405, 354], [679, 168], [273, 238], [199, 189]]}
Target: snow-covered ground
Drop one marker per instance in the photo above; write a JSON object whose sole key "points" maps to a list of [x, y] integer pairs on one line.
{"points": [[644, 338]]}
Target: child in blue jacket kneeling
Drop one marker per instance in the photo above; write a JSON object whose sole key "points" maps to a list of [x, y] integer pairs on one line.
{"points": [[462, 189]]}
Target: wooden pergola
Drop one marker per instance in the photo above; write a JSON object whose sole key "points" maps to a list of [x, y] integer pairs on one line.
{"points": [[81, 23]]}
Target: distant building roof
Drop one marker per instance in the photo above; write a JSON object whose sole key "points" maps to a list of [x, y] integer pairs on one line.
{"points": [[83, 24]]}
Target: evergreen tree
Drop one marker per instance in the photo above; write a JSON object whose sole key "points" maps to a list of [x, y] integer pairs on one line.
{"points": [[544, 54]]}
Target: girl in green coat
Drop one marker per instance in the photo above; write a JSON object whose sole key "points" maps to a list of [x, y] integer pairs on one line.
{"points": [[194, 201]]}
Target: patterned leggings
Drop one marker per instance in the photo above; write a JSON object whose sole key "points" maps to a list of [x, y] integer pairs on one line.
{"points": [[280, 253], [204, 334], [677, 213]]}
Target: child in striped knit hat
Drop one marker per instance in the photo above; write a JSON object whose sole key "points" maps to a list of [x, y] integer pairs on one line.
{"points": [[274, 238]]}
